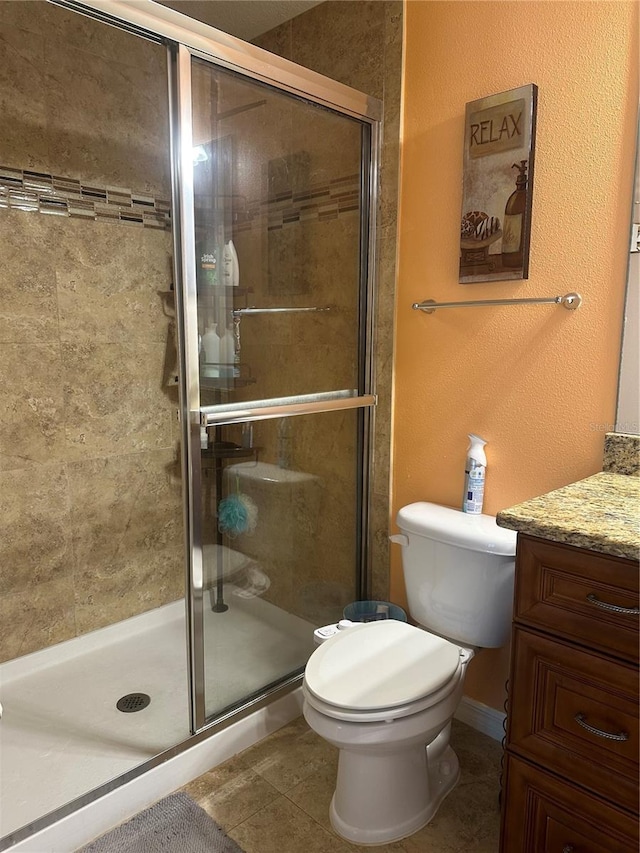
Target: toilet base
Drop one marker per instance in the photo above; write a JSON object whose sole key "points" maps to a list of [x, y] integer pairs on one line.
{"points": [[428, 778]]}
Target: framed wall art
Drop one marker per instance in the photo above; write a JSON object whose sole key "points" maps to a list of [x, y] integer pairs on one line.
{"points": [[497, 186]]}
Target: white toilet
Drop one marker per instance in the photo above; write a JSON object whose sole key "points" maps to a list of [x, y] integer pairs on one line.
{"points": [[385, 692]]}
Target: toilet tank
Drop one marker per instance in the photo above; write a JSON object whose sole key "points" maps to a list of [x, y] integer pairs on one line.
{"points": [[458, 572]]}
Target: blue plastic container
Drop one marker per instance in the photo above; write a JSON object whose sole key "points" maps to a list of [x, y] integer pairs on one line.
{"points": [[373, 611]]}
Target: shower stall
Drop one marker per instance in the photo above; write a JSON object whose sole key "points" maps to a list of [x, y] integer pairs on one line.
{"points": [[188, 242]]}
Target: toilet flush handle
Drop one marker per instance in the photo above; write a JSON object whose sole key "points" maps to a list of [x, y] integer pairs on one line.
{"points": [[399, 539]]}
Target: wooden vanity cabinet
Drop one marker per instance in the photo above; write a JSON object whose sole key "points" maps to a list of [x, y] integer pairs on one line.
{"points": [[570, 782]]}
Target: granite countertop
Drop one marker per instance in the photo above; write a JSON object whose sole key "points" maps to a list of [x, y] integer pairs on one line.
{"points": [[601, 513]]}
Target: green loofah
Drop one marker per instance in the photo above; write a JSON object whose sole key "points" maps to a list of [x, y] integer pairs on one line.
{"points": [[237, 513], [233, 518]]}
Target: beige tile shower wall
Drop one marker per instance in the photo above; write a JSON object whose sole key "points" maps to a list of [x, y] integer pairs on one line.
{"points": [[90, 506], [82, 99], [360, 44]]}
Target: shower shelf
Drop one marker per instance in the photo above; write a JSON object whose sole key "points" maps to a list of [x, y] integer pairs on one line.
{"points": [[226, 450], [224, 384], [211, 381]]}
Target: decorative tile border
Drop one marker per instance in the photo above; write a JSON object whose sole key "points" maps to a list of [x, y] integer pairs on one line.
{"points": [[320, 202], [21, 189]]}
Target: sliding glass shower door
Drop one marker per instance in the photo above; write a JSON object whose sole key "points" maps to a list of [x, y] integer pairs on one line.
{"points": [[276, 229]]}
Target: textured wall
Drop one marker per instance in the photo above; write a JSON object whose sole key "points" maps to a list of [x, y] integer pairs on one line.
{"points": [[536, 382], [90, 510], [360, 44]]}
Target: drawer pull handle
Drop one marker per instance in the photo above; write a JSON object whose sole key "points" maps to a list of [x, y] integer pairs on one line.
{"points": [[568, 848], [581, 721], [615, 608]]}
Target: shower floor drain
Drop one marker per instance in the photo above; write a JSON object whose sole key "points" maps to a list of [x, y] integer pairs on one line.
{"points": [[133, 702]]}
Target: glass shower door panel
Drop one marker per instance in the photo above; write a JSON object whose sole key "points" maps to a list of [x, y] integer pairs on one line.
{"points": [[280, 556], [277, 193]]}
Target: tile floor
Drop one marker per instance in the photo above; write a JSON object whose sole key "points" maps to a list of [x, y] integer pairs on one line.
{"points": [[274, 797]]}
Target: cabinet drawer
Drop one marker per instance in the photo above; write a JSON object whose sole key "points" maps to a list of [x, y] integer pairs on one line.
{"points": [[542, 814], [576, 713], [574, 593]]}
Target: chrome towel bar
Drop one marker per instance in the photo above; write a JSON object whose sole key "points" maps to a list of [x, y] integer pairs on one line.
{"points": [[571, 301]]}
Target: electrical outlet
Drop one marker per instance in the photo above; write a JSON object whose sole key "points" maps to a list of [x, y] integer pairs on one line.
{"points": [[635, 237]]}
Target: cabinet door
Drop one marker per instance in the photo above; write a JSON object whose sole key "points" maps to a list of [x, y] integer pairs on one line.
{"points": [[541, 814], [576, 713]]}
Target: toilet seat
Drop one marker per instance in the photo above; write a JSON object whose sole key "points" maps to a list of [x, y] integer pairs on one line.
{"points": [[381, 671]]}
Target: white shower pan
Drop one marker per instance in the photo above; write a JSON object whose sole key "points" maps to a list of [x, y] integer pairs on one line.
{"points": [[61, 734]]}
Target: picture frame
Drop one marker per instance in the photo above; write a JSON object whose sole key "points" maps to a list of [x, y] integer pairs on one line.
{"points": [[497, 186]]}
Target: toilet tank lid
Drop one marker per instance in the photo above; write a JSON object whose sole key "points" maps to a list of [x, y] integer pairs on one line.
{"points": [[454, 527]]}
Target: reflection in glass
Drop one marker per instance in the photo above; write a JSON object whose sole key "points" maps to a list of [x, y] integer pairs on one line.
{"points": [[285, 566], [277, 194], [277, 184]]}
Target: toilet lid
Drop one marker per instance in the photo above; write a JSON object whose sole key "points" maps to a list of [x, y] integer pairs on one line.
{"points": [[380, 665]]}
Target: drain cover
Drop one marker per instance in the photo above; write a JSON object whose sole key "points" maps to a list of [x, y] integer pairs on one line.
{"points": [[133, 702]]}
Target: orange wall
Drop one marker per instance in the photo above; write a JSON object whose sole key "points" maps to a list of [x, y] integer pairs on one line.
{"points": [[538, 382]]}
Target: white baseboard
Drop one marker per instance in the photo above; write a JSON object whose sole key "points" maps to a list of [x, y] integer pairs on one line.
{"points": [[481, 717], [96, 818]]}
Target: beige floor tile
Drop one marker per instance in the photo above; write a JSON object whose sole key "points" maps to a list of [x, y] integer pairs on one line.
{"points": [[470, 814], [231, 794], [295, 754], [281, 827], [313, 795], [245, 795]]}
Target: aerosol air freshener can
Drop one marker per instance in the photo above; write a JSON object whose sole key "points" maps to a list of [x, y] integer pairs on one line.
{"points": [[474, 475]]}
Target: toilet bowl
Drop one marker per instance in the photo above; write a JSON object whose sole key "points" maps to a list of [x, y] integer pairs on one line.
{"points": [[380, 693], [385, 693]]}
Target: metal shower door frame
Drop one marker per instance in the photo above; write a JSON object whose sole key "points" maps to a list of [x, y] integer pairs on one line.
{"points": [[186, 38], [194, 416]]}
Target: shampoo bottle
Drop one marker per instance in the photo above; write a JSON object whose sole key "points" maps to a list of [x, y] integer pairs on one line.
{"points": [[207, 268], [211, 345], [474, 475], [231, 270]]}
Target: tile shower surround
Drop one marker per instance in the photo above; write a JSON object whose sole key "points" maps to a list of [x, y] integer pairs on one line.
{"points": [[90, 507], [88, 541], [52, 596]]}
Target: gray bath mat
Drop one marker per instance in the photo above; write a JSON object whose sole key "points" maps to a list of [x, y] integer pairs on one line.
{"points": [[173, 825]]}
